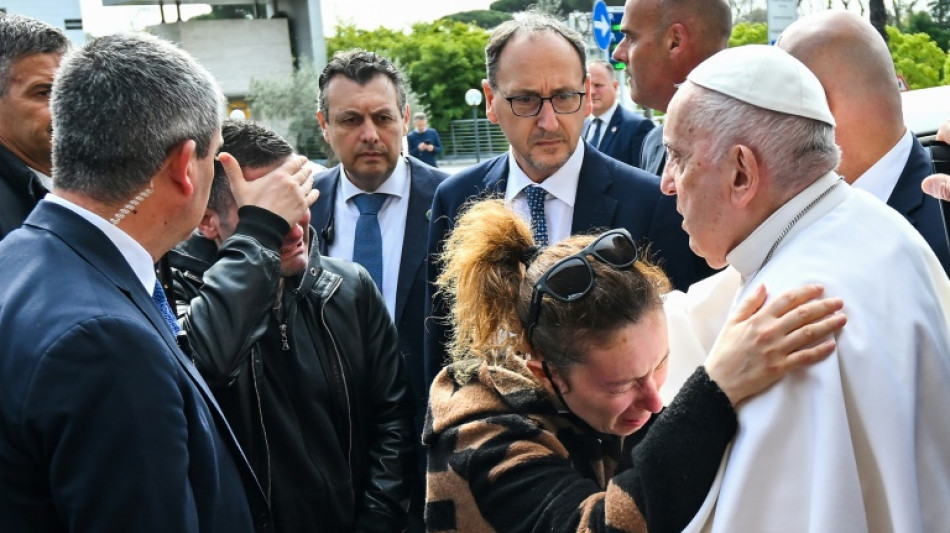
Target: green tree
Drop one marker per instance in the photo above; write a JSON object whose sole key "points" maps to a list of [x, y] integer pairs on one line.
{"points": [[482, 18], [878, 16], [749, 33], [946, 71], [940, 10], [293, 102], [922, 22], [916, 57]]}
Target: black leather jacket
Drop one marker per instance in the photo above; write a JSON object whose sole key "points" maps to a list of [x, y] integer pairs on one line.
{"points": [[227, 296]]}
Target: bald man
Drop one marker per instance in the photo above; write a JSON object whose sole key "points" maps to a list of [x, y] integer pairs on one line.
{"points": [[878, 153], [663, 42]]}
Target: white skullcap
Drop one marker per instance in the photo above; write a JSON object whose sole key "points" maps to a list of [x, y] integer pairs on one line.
{"points": [[766, 77]]}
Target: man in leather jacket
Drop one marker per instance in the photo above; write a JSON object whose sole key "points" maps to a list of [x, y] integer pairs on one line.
{"points": [[299, 350]]}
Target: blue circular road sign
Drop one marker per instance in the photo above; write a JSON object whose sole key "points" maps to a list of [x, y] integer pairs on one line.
{"points": [[600, 22]]}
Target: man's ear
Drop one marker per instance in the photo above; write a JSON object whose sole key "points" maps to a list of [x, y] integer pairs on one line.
{"points": [[405, 121], [489, 102], [746, 175], [210, 225], [179, 164], [323, 126], [589, 107], [676, 40]]}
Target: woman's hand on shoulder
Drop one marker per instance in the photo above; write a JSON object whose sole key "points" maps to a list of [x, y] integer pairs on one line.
{"points": [[759, 344]]}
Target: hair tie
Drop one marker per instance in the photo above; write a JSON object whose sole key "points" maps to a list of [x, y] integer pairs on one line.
{"points": [[528, 255]]}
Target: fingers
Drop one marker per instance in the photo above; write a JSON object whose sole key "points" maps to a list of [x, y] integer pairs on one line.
{"points": [[937, 185], [943, 132], [312, 195], [813, 329], [233, 169], [792, 299], [750, 305], [809, 356]]}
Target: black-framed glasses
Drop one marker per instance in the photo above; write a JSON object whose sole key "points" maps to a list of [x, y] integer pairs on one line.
{"points": [[572, 278], [529, 105]]}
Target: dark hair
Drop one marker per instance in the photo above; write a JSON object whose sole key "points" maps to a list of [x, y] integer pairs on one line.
{"points": [[22, 36], [362, 67], [489, 291], [254, 146], [529, 22]]}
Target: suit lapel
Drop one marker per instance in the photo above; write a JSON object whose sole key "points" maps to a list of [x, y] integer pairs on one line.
{"points": [[96, 249], [609, 135], [593, 207], [421, 189], [321, 212]]}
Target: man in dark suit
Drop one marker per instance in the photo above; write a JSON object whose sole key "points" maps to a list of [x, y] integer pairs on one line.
{"points": [[30, 53], [663, 42], [364, 116], [105, 424], [878, 153], [612, 128], [536, 92]]}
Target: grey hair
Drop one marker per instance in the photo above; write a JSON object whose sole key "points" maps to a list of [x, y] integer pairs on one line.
{"points": [[362, 67], [21, 37], [120, 104], [530, 22], [794, 150]]}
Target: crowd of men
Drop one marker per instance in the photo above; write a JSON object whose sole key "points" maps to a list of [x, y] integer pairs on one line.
{"points": [[284, 387]]}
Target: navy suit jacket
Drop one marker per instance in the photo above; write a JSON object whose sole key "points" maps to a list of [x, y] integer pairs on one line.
{"points": [[920, 209], [610, 194], [623, 137], [411, 288], [653, 154], [105, 425]]}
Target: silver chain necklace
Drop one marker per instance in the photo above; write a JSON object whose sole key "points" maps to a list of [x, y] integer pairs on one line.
{"points": [[794, 221]]}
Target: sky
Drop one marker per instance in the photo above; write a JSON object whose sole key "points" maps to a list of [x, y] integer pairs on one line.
{"points": [[368, 14]]}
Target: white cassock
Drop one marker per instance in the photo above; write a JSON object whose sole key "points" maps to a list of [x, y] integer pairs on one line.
{"points": [[861, 441]]}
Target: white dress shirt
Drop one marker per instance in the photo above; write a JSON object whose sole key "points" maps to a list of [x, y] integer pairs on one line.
{"points": [[605, 117], [392, 225], [882, 177], [133, 252], [559, 202]]}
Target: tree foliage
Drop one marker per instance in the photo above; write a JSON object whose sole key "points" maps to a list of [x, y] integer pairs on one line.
{"points": [[482, 18], [442, 60], [922, 22], [749, 33], [916, 57], [557, 7], [291, 101]]}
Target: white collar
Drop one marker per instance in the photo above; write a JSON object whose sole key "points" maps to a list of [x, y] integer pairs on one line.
{"points": [[814, 202], [561, 185], [397, 184], [882, 177], [135, 255]]}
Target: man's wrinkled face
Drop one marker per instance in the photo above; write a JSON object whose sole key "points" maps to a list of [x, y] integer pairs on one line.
{"points": [[538, 64], [701, 185], [365, 126], [25, 124]]}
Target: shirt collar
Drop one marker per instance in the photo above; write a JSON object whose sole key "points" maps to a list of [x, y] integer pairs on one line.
{"points": [[561, 185], [397, 184], [882, 177], [135, 255], [45, 180], [609, 114], [822, 195]]}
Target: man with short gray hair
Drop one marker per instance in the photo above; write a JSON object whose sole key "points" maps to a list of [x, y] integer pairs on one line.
{"points": [[105, 424], [752, 161], [30, 53], [612, 128]]}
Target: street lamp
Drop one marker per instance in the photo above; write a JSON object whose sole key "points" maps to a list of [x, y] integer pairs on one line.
{"points": [[473, 97]]}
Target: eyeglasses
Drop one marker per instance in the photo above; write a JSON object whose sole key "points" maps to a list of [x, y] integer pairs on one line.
{"points": [[572, 278], [529, 105]]}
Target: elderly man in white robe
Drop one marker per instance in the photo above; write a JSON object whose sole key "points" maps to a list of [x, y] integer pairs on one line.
{"points": [[861, 441]]}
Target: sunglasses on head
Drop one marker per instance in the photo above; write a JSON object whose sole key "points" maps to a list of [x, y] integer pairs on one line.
{"points": [[572, 278]]}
